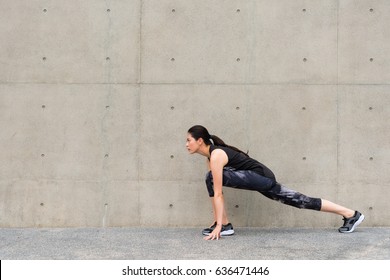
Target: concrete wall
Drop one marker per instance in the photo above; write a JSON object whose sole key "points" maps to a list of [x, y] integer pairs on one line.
{"points": [[96, 98]]}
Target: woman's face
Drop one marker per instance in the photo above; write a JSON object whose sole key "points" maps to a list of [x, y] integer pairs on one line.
{"points": [[192, 145]]}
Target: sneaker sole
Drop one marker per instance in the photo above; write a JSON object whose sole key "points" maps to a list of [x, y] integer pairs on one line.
{"points": [[224, 233], [227, 232], [358, 222]]}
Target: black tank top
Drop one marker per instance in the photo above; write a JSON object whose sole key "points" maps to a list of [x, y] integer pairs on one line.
{"points": [[240, 161]]}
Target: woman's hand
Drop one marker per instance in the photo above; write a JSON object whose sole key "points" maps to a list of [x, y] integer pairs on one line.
{"points": [[215, 234]]}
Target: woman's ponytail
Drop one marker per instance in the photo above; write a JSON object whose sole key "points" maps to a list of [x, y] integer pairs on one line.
{"points": [[219, 142]]}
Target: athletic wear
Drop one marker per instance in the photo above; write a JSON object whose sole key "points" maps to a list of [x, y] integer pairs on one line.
{"points": [[251, 179], [351, 223], [240, 161], [240, 179], [225, 231]]}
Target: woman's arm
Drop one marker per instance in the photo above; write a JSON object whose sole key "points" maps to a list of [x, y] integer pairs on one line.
{"points": [[218, 160]]}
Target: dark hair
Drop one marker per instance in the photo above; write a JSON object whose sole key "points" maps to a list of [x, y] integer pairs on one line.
{"points": [[199, 131]]}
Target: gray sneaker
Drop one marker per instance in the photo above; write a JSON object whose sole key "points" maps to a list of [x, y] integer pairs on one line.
{"points": [[225, 231], [351, 223]]}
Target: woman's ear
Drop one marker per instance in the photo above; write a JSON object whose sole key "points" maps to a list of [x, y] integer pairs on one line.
{"points": [[200, 141]]}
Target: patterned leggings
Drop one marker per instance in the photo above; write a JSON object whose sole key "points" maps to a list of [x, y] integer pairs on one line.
{"points": [[250, 180]]}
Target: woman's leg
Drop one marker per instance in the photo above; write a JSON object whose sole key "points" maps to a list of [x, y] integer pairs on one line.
{"points": [[328, 206], [251, 181], [293, 198], [299, 200], [351, 218]]}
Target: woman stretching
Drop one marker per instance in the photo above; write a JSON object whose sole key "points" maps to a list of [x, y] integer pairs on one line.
{"points": [[230, 167]]}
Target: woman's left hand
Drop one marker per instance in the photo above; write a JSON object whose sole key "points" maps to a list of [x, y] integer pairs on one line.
{"points": [[215, 234]]}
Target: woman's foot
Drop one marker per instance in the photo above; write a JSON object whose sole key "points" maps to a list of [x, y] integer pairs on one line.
{"points": [[351, 223]]}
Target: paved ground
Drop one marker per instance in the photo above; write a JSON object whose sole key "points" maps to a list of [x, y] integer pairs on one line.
{"points": [[187, 243]]}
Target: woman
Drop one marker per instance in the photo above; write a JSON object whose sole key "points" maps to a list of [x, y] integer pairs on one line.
{"points": [[230, 167]]}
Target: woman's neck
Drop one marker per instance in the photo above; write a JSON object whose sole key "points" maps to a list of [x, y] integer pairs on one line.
{"points": [[204, 150]]}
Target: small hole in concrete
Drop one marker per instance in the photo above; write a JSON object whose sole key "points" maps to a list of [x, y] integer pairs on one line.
{"points": [[304, 158], [303, 108], [108, 10], [107, 107], [238, 59], [42, 155], [371, 10], [370, 208], [371, 158], [42, 204], [370, 108], [106, 155], [238, 10], [171, 205], [108, 58], [371, 59], [44, 10], [43, 106], [172, 156], [237, 206], [172, 59], [237, 108], [304, 10], [173, 10], [172, 107], [44, 58], [304, 59]]}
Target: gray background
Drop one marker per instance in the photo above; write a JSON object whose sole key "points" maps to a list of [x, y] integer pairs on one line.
{"points": [[96, 98]]}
